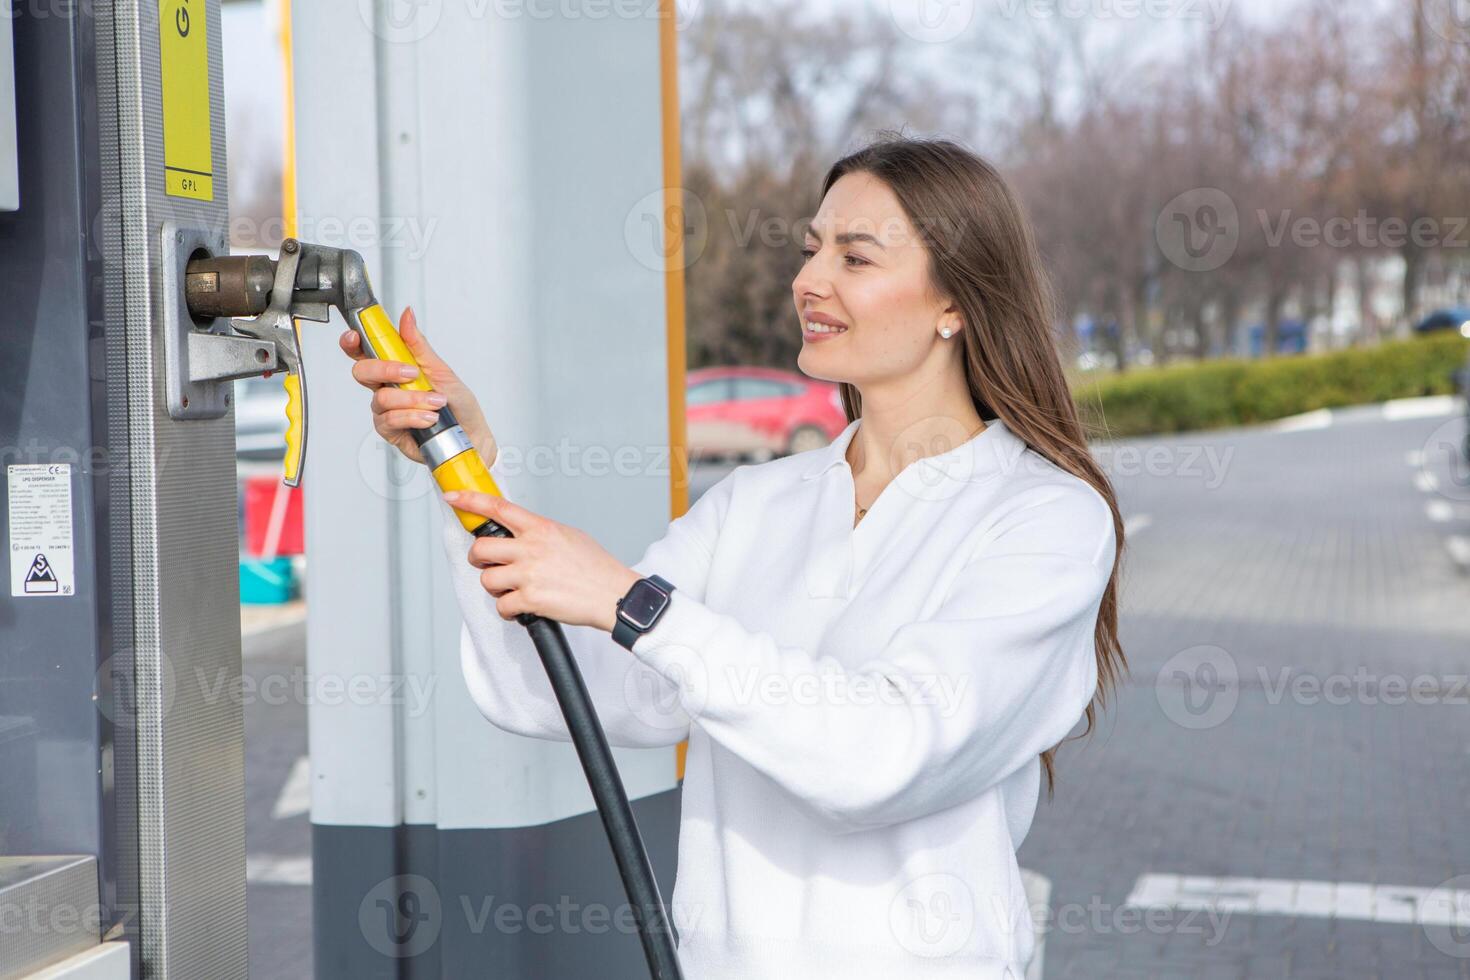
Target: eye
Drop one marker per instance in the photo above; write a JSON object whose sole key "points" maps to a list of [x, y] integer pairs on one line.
{"points": [[857, 260]]}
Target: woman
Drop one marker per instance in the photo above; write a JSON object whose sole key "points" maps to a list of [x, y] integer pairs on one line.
{"points": [[873, 648]]}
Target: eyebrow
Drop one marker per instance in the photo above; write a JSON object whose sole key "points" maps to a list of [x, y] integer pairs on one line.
{"points": [[848, 237]]}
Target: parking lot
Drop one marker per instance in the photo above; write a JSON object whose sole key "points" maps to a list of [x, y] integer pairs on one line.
{"points": [[1283, 782]]}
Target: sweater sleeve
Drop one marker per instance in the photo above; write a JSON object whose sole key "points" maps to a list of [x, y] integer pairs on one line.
{"points": [[950, 705], [637, 706]]}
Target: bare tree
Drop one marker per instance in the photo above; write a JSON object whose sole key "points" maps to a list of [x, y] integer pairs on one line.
{"points": [[1326, 113]]}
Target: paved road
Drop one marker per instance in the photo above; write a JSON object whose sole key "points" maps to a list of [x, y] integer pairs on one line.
{"points": [[1282, 591], [275, 738], [1258, 552]]}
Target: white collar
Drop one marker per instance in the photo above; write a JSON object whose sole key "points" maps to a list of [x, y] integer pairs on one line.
{"points": [[993, 450]]}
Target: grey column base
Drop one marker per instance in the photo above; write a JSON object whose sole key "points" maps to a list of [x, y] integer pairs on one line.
{"points": [[520, 903]]}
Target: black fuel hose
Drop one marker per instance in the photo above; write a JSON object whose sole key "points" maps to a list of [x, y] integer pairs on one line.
{"points": [[607, 785]]}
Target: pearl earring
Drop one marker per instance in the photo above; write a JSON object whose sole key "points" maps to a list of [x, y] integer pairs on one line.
{"points": [[944, 333]]}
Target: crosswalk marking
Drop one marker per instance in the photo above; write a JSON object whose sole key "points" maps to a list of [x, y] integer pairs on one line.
{"points": [[1318, 899], [295, 798], [1458, 546], [1421, 408], [1319, 419], [267, 869]]}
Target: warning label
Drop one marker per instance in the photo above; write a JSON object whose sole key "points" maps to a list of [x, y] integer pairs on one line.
{"points": [[41, 560]]}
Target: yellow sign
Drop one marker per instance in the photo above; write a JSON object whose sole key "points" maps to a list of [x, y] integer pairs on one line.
{"points": [[188, 160]]}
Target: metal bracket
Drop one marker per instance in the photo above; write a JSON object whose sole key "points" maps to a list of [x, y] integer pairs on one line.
{"points": [[215, 357], [201, 360]]}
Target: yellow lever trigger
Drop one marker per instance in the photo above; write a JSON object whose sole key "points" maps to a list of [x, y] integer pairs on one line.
{"points": [[295, 429]]}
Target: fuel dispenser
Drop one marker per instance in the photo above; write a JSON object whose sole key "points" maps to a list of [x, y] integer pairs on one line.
{"points": [[122, 838]]}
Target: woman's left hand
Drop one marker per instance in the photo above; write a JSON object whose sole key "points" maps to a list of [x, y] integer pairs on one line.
{"points": [[549, 569]]}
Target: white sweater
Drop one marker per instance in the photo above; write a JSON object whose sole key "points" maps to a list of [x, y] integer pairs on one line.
{"points": [[865, 707]]}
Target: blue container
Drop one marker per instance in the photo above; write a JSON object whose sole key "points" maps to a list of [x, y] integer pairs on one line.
{"points": [[265, 583]]}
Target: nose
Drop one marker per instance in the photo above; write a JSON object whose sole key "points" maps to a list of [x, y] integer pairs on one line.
{"points": [[811, 282]]}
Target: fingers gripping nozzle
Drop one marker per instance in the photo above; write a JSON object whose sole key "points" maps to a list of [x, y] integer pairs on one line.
{"points": [[264, 297]]}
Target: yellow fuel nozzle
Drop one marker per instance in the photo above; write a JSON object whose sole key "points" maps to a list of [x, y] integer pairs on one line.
{"points": [[305, 282], [446, 449]]}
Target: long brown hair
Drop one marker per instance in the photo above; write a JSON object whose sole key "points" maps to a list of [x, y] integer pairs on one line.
{"points": [[983, 256]]}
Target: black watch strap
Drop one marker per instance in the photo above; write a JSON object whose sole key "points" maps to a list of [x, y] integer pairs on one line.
{"points": [[640, 609]]}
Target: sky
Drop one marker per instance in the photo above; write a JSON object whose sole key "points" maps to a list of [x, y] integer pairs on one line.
{"points": [[254, 82]]}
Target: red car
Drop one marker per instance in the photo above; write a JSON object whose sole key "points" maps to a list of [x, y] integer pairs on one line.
{"points": [[759, 413]]}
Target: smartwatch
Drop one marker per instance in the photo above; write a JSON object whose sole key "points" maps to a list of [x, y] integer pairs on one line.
{"points": [[640, 609]]}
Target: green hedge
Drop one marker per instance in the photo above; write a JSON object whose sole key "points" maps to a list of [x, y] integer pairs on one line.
{"points": [[1212, 394]]}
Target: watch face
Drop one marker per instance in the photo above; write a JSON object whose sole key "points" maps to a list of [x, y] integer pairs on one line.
{"points": [[642, 604]]}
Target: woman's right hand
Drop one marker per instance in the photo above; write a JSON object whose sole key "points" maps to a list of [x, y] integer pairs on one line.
{"points": [[397, 411]]}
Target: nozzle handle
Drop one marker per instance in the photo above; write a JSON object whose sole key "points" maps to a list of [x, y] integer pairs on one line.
{"points": [[295, 429], [451, 457]]}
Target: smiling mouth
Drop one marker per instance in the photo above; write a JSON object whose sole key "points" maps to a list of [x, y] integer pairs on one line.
{"points": [[825, 329]]}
